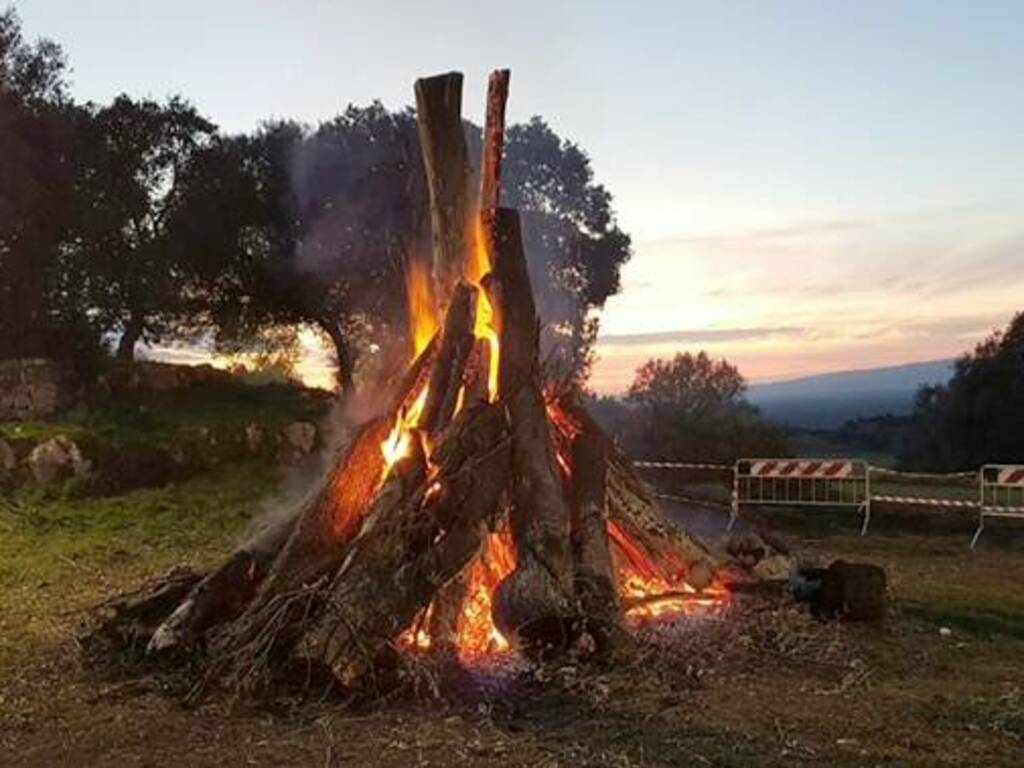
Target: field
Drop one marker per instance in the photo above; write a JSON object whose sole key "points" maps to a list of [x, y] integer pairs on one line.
{"points": [[941, 682]]}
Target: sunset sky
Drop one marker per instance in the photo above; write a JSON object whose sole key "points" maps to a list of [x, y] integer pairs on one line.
{"points": [[810, 186]]}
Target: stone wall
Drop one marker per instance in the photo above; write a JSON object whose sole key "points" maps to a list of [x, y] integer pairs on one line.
{"points": [[32, 388]]}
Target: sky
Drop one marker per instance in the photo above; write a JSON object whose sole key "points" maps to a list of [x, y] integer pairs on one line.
{"points": [[810, 186]]}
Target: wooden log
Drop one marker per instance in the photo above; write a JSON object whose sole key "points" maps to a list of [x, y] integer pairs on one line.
{"points": [[334, 513], [493, 146], [477, 371], [397, 566], [653, 545], [223, 594], [446, 161], [449, 365], [594, 572], [535, 603]]}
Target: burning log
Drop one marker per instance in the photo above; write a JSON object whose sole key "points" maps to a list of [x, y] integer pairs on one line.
{"points": [[446, 158], [398, 565], [535, 602], [494, 146], [595, 572], [645, 537], [449, 366]]}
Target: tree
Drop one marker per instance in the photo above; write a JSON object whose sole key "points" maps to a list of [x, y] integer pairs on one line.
{"points": [[575, 248], [692, 408], [978, 417], [136, 153], [41, 308]]}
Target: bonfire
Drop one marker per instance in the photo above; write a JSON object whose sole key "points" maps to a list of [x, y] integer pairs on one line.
{"points": [[482, 511]]}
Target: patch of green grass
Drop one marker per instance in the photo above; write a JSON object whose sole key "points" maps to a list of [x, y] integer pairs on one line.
{"points": [[978, 610], [165, 416], [39, 529]]}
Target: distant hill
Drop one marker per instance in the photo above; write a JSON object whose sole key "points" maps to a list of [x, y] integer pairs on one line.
{"points": [[828, 400]]}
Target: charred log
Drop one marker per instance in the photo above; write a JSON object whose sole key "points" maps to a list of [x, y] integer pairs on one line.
{"points": [[535, 603], [446, 160], [396, 566], [594, 573], [449, 365]]}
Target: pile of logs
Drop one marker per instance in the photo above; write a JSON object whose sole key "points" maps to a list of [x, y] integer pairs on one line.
{"points": [[378, 546]]}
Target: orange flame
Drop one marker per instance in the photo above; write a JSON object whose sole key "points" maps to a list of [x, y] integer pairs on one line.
{"points": [[419, 293], [396, 445], [478, 264], [477, 635]]}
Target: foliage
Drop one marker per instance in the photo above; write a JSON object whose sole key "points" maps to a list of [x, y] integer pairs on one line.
{"points": [[134, 154], [692, 408], [137, 220], [41, 306], [978, 417], [574, 247]]}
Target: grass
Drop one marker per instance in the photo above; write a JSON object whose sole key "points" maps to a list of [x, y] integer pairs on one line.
{"points": [[777, 691], [164, 417]]}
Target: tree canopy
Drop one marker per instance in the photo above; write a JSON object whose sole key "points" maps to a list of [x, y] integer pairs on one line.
{"points": [[692, 408], [138, 220], [978, 417]]}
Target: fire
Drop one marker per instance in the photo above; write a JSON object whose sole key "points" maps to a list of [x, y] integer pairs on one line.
{"points": [[478, 265], [477, 635], [419, 294], [396, 445]]}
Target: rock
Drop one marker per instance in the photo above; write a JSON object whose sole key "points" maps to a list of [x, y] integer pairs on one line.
{"points": [[32, 388], [254, 437], [700, 575], [300, 438], [851, 591], [8, 459], [57, 459]]}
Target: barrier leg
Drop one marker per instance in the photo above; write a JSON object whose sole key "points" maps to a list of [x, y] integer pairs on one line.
{"points": [[977, 533], [734, 514], [867, 518]]}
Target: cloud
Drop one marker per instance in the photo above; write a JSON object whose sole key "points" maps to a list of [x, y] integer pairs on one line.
{"points": [[698, 336]]}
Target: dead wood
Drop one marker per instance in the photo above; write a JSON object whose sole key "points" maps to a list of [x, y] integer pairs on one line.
{"points": [[449, 365], [594, 572], [446, 161], [652, 544], [395, 567], [535, 603], [493, 146]]}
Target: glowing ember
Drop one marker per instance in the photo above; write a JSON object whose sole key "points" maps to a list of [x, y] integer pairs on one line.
{"points": [[477, 635]]}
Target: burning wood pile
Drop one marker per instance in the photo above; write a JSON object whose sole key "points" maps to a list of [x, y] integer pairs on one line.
{"points": [[477, 513]]}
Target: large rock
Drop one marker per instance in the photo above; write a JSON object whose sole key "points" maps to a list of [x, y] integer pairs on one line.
{"points": [[32, 388], [57, 459]]}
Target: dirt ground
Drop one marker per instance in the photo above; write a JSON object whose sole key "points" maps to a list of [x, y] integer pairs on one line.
{"points": [[941, 682]]}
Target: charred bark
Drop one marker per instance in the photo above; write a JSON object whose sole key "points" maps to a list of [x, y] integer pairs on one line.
{"points": [[449, 365], [535, 603], [493, 146], [595, 573], [396, 566], [446, 161]]}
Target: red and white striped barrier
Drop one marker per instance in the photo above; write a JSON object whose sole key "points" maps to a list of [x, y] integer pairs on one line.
{"points": [[678, 465], [802, 468], [1002, 494]]}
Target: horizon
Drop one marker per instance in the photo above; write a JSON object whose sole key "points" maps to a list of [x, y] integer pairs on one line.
{"points": [[810, 188]]}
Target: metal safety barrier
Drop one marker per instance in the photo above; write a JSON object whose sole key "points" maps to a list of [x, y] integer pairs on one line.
{"points": [[1001, 487], [802, 482]]}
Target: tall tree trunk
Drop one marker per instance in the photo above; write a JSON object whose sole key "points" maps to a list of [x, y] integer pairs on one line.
{"points": [[130, 337], [344, 357]]}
